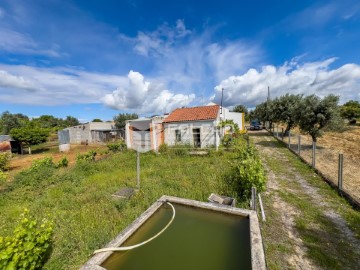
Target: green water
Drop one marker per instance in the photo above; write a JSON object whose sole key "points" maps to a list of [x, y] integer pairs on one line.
{"points": [[197, 239]]}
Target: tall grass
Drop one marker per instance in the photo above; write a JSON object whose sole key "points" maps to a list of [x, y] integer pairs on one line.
{"points": [[87, 216]]}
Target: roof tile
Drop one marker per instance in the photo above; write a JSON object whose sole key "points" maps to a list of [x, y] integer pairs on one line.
{"points": [[193, 114]]}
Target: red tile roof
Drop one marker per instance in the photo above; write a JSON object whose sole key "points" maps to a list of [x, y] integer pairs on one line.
{"points": [[193, 114]]}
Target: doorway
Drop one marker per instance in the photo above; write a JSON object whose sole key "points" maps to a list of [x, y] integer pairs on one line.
{"points": [[196, 137]]}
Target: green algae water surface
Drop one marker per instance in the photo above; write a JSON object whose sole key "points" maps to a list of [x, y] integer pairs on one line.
{"points": [[197, 239]]}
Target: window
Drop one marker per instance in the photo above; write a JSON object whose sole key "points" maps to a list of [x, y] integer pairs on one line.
{"points": [[177, 136]]}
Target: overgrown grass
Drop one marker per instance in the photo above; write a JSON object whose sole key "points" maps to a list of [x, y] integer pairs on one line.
{"points": [[326, 245], [79, 198]]}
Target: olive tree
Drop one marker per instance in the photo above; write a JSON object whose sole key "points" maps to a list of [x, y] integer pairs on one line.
{"points": [[314, 114], [285, 110]]}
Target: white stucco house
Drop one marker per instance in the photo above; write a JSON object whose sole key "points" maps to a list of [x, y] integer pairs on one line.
{"points": [[195, 126]]}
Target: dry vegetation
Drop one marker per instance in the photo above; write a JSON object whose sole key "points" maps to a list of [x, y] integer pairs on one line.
{"points": [[327, 155], [20, 162]]}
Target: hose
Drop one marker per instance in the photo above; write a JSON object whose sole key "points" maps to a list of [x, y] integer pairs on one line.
{"points": [[142, 243]]}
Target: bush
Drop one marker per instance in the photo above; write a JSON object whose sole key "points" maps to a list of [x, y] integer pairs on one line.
{"points": [[4, 160], [117, 146], [63, 162], [227, 140], [89, 156], [163, 148], [246, 172], [29, 246], [41, 163], [180, 149], [3, 177]]}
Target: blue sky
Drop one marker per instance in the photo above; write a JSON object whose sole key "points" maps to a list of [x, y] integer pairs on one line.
{"points": [[94, 59]]}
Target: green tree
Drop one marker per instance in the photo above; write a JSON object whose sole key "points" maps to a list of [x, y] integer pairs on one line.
{"points": [[71, 121], [122, 117], [30, 135], [48, 121], [242, 109], [264, 112], [96, 120], [285, 110], [350, 110], [8, 121], [314, 114]]}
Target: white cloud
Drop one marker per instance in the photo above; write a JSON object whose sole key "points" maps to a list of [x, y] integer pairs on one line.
{"points": [[54, 86], [160, 40], [145, 97], [8, 80], [309, 78], [13, 41]]}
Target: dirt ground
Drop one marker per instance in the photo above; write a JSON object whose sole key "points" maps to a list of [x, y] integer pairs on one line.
{"points": [[328, 148], [303, 228], [20, 162]]}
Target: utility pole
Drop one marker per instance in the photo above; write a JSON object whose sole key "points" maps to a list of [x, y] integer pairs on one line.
{"points": [[222, 96]]}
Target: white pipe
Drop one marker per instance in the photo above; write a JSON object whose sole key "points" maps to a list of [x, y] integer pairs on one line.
{"points": [[261, 208], [142, 243]]}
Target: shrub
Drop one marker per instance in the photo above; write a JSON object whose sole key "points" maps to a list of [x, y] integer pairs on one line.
{"points": [[117, 146], [227, 140], [89, 156], [3, 177], [180, 149], [4, 160], [246, 172], [41, 163], [163, 148], [63, 162], [29, 246]]}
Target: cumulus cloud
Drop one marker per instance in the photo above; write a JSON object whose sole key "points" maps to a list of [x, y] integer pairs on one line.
{"points": [[292, 77], [145, 97]]}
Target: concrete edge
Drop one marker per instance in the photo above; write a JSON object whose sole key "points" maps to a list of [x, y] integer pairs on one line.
{"points": [[257, 250]]}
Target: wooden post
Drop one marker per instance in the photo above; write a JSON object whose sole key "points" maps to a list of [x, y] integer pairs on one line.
{"points": [[299, 144], [138, 170], [313, 154], [289, 139], [340, 171], [282, 134]]}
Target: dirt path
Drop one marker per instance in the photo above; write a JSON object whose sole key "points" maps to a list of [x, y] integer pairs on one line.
{"points": [[305, 227]]}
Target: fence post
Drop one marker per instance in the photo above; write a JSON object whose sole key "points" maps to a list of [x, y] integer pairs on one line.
{"points": [[299, 144], [340, 171], [289, 139], [138, 169], [253, 198], [282, 134], [313, 154]]}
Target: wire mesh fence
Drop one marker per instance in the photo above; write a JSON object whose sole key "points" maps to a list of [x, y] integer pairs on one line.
{"points": [[325, 159]]}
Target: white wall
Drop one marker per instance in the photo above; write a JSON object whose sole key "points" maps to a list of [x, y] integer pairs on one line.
{"points": [[235, 116], [208, 132]]}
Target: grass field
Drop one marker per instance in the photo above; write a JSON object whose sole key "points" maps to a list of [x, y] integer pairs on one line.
{"points": [[79, 198]]}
